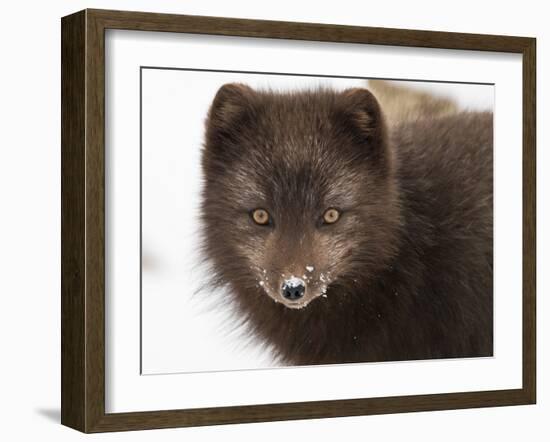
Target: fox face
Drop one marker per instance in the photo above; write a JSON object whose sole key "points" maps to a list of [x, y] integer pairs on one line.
{"points": [[299, 200]]}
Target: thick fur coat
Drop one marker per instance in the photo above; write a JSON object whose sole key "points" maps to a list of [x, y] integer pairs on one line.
{"points": [[406, 271]]}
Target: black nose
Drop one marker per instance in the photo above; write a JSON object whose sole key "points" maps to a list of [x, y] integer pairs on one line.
{"points": [[293, 289]]}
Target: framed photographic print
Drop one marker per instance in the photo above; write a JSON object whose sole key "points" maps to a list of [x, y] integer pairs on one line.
{"points": [[269, 220]]}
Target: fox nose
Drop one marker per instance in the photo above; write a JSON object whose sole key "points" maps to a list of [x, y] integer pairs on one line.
{"points": [[293, 289]]}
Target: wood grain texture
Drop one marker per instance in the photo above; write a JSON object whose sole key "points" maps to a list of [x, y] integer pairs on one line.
{"points": [[83, 220], [529, 220], [95, 221], [145, 21], [73, 128]]}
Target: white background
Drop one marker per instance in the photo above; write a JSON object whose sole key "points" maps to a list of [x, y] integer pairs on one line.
{"points": [[29, 237]]}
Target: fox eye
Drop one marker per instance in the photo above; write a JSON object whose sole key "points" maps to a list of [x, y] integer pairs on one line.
{"points": [[261, 217], [331, 216]]}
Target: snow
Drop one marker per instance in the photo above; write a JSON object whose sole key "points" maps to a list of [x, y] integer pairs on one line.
{"points": [[294, 282]]}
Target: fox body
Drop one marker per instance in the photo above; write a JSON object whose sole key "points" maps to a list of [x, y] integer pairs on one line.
{"points": [[343, 238]]}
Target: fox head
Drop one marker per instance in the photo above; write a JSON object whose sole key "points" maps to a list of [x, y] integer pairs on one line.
{"points": [[299, 200]]}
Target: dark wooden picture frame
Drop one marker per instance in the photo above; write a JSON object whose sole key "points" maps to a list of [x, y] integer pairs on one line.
{"points": [[83, 220]]}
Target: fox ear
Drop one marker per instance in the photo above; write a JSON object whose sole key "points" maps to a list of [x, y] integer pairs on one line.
{"points": [[230, 105], [364, 119]]}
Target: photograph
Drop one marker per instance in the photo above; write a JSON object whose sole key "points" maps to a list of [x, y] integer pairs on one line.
{"points": [[246, 221], [295, 220], [267, 220]]}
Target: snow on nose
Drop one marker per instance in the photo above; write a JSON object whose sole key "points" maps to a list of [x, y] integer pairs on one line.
{"points": [[293, 288]]}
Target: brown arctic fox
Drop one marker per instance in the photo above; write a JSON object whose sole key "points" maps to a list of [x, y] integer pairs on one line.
{"points": [[344, 238]]}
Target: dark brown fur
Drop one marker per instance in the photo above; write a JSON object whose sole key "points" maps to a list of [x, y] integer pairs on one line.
{"points": [[406, 273]]}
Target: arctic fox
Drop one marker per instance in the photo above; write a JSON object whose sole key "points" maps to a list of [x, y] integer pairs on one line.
{"points": [[348, 235]]}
